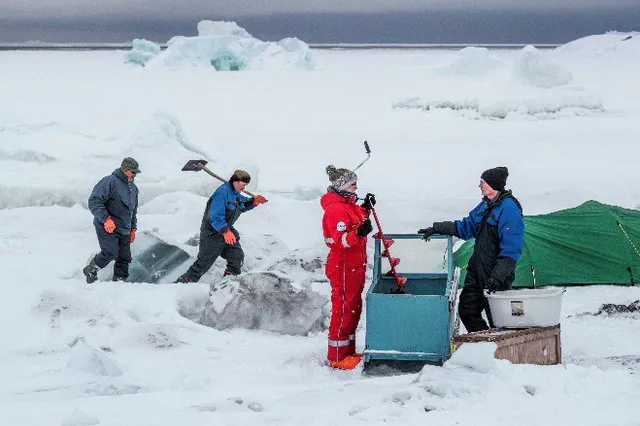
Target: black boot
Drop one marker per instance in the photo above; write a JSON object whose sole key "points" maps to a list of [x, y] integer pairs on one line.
{"points": [[117, 278], [91, 271], [183, 279]]}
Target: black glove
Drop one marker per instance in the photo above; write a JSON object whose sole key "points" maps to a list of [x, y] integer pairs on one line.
{"points": [[426, 232], [445, 228], [493, 285], [365, 228], [369, 201]]}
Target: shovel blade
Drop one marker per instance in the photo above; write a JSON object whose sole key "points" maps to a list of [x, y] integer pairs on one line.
{"points": [[194, 165]]}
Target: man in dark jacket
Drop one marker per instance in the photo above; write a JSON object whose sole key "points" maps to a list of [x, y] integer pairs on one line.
{"points": [[114, 204], [497, 225], [218, 237]]}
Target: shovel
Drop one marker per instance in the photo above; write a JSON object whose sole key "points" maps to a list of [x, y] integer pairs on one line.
{"points": [[197, 165]]}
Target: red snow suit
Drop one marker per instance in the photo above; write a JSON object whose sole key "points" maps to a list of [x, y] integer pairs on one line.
{"points": [[345, 269]]}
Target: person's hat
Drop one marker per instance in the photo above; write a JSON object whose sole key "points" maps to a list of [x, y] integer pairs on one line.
{"points": [[341, 179], [240, 175], [496, 178], [129, 164]]}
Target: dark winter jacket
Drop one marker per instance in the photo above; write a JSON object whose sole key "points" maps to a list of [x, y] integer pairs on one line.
{"points": [[116, 197], [224, 207], [498, 229]]}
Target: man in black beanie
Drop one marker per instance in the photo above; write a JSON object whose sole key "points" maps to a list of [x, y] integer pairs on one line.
{"points": [[498, 228], [496, 177]]}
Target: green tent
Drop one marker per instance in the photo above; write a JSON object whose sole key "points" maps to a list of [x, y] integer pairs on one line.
{"points": [[590, 244]]}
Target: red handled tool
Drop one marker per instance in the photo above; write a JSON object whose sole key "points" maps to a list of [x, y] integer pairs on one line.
{"points": [[393, 261]]}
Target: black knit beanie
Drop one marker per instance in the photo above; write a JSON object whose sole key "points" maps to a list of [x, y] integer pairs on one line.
{"points": [[240, 175], [496, 178]]}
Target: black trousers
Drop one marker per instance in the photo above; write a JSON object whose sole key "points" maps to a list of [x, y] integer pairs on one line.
{"points": [[472, 303], [116, 247], [212, 245]]}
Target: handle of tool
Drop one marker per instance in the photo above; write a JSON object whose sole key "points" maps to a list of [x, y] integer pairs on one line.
{"points": [[375, 217], [225, 181], [366, 147]]}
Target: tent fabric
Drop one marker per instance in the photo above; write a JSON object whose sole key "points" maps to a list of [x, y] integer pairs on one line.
{"points": [[593, 243]]}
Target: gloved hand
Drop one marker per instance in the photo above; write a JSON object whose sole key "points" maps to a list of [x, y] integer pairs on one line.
{"points": [[132, 235], [229, 237], [426, 232], [365, 228], [259, 200], [109, 225], [493, 285], [369, 201]]}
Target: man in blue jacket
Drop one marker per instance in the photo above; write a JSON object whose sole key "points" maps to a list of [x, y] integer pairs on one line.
{"points": [[497, 225], [218, 237], [114, 204]]}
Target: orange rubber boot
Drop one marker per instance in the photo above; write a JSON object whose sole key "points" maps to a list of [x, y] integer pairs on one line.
{"points": [[348, 363]]}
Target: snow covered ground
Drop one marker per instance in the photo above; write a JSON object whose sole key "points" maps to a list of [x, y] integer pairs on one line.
{"points": [[565, 122]]}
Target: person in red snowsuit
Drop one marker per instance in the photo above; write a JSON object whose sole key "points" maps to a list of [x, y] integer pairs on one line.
{"points": [[345, 226]]}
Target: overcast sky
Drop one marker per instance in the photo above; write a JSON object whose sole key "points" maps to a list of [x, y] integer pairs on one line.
{"points": [[324, 21]]}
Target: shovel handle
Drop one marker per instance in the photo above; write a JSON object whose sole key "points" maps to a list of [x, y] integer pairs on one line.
{"points": [[225, 181]]}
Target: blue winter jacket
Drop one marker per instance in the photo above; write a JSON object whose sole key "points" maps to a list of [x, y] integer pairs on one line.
{"points": [[224, 207], [498, 242], [116, 197]]}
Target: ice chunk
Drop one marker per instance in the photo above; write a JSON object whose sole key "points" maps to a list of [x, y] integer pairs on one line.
{"points": [[153, 261], [221, 28], [533, 68], [264, 301], [142, 52], [224, 46]]}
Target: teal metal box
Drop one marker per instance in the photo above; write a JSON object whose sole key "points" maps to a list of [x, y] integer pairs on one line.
{"points": [[417, 325]]}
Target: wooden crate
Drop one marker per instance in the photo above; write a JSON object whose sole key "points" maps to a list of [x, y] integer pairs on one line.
{"points": [[538, 345]]}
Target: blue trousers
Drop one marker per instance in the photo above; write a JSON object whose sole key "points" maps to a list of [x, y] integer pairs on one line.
{"points": [[116, 247]]}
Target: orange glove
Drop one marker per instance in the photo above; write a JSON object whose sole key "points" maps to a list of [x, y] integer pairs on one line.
{"points": [[132, 235], [229, 238], [259, 200], [109, 225]]}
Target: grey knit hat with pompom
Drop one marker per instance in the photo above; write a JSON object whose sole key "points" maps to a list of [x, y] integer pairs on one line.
{"points": [[341, 179]]}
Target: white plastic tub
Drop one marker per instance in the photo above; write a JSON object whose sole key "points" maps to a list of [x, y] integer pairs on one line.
{"points": [[539, 307]]}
